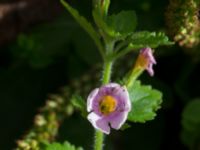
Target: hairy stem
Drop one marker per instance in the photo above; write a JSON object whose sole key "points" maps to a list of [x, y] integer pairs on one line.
{"points": [[123, 52], [133, 76], [99, 136], [107, 70]]}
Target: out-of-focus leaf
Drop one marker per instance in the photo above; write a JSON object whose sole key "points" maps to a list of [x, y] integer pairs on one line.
{"points": [[190, 134], [80, 19], [65, 146], [42, 46], [122, 24], [150, 39], [86, 25], [85, 47], [79, 103], [125, 126], [145, 102], [100, 21]]}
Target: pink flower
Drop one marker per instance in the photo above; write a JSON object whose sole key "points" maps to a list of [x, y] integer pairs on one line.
{"points": [[109, 106], [146, 60]]}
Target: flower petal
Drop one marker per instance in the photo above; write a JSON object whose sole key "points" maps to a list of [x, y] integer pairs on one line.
{"points": [[99, 123], [149, 58], [149, 54], [110, 85], [90, 98], [150, 69], [92, 117], [102, 125], [117, 121], [126, 99]]}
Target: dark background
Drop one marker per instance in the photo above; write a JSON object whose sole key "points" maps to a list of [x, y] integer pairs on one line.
{"points": [[42, 49]]}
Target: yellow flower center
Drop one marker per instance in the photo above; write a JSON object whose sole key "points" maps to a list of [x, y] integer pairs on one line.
{"points": [[107, 105]]}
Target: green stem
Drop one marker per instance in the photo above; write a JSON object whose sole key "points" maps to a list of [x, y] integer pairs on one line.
{"points": [[99, 136], [123, 48], [98, 140], [123, 52], [120, 46], [107, 72], [133, 76]]}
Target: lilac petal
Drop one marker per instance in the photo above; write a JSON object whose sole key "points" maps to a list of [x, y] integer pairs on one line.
{"points": [[118, 120], [150, 69], [153, 60], [90, 98], [92, 117], [106, 89], [99, 123], [103, 126], [151, 72], [110, 85], [149, 55], [125, 97], [122, 95]]}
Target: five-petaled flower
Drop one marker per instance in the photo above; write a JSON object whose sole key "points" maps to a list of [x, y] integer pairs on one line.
{"points": [[108, 107], [146, 60]]}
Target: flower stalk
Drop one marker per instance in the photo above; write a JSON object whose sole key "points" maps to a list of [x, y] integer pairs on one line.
{"points": [[133, 76], [99, 137], [107, 70]]}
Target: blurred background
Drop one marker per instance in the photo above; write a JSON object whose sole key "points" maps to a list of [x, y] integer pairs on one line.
{"points": [[42, 49]]}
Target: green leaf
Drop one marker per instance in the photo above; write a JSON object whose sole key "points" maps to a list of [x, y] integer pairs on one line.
{"points": [[37, 48], [122, 24], [100, 22], [190, 133], [150, 39], [140, 40], [86, 25], [65, 146], [125, 126], [79, 103], [145, 102]]}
